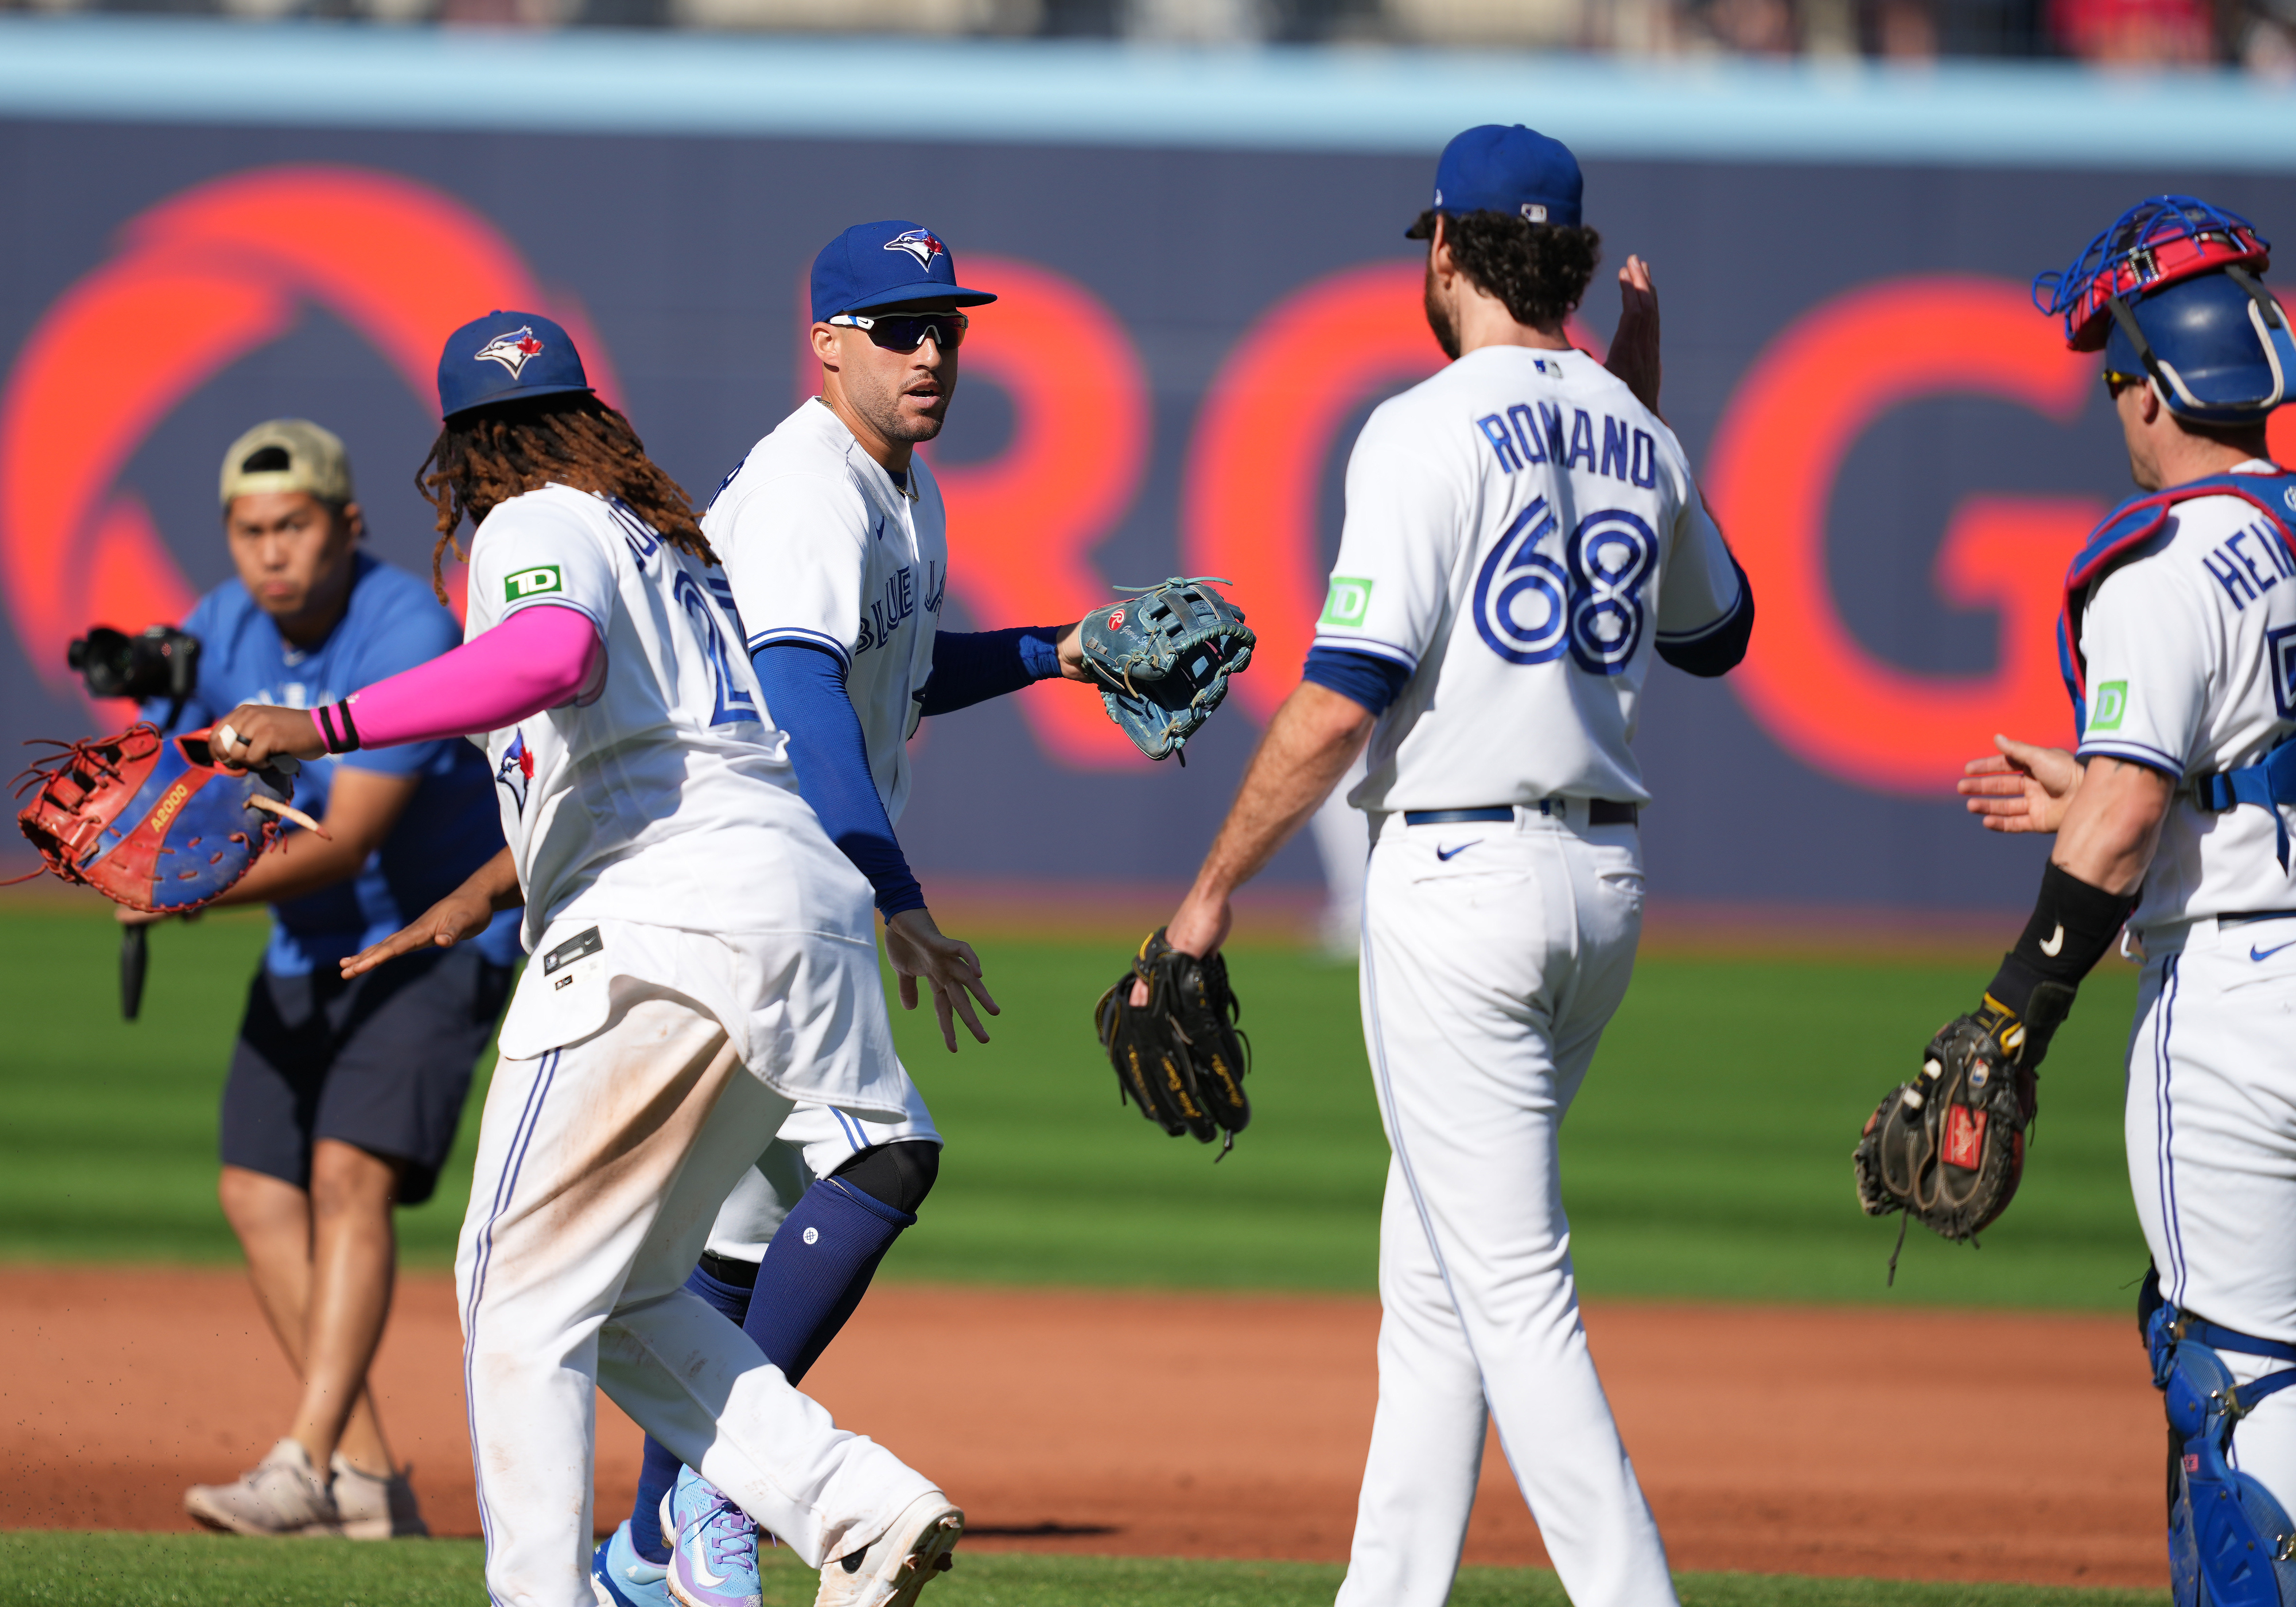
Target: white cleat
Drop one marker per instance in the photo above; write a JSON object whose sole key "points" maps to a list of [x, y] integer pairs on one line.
{"points": [[889, 1573]]}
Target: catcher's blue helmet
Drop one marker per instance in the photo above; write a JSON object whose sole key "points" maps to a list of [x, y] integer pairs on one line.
{"points": [[2215, 348], [2170, 293]]}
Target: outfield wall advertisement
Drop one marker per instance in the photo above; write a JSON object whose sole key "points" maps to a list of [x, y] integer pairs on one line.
{"points": [[1188, 338]]}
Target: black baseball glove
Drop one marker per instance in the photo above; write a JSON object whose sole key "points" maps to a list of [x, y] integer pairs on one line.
{"points": [[1179, 1056], [1949, 1148]]}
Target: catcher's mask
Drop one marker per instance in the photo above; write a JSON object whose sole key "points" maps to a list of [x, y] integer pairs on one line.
{"points": [[2170, 294]]}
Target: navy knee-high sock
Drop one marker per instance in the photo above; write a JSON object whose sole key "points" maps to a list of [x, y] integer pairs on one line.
{"points": [[816, 1270], [659, 1469]]}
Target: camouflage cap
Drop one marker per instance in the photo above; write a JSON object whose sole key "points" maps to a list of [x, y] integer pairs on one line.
{"points": [[287, 455]]}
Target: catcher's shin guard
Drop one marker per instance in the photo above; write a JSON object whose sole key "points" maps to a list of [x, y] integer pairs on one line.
{"points": [[2230, 1543]]}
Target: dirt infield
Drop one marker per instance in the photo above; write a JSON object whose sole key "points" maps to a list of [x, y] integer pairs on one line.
{"points": [[1771, 1439]]}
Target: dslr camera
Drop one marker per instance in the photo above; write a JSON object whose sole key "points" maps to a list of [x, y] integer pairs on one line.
{"points": [[163, 662]]}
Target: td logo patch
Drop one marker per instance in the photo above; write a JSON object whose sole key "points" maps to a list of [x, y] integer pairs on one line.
{"points": [[2111, 704], [542, 577], [1348, 602]]}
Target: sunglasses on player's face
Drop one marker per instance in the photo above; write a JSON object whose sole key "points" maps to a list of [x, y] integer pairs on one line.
{"points": [[906, 331], [2116, 383]]}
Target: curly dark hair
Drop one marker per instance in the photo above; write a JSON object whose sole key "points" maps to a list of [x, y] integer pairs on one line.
{"points": [[1540, 270], [486, 456]]}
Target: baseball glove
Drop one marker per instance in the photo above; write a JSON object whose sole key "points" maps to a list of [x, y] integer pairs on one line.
{"points": [[1949, 1148], [1163, 657], [1178, 1057], [152, 822]]}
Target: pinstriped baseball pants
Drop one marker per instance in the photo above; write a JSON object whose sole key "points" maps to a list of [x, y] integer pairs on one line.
{"points": [[2212, 1128], [1494, 955]]}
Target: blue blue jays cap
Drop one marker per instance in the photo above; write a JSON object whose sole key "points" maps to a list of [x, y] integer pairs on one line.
{"points": [[883, 264], [1515, 170], [504, 357]]}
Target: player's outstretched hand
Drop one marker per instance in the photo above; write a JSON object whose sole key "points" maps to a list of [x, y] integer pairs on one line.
{"points": [[917, 948], [256, 734], [462, 914], [1634, 349], [2021, 788]]}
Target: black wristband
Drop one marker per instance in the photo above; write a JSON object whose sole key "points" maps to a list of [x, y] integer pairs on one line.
{"points": [[335, 725], [2072, 926]]}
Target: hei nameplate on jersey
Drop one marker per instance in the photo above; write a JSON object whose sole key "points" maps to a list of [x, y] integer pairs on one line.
{"points": [[571, 1003]]}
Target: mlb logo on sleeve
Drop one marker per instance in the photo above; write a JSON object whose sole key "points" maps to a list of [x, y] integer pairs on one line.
{"points": [[532, 583], [1349, 601], [2112, 704]]}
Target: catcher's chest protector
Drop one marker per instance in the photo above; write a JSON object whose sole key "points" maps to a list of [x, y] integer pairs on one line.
{"points": [[2230, 1543], [146, 821]]}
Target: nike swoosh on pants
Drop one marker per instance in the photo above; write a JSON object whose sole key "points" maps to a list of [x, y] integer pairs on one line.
{"points": [[2254, 953]]}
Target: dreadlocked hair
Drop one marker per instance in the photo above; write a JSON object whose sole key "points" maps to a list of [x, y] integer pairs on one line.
{"points": [[486, 456], [1540, 270]]}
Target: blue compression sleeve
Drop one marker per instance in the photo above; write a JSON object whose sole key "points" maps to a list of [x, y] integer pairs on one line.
{"points": [[1364, 678], [972, 666], [805, 687]]}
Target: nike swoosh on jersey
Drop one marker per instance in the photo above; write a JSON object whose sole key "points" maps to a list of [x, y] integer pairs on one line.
{"points": [[2254, 953], [2057, 943], [1443, 853]]}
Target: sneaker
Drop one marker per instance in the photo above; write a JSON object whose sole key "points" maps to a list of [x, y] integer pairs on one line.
{"points": [[372, 1508], [904, 1559], [281, 1495], [620, 1578], [713, 1559]]}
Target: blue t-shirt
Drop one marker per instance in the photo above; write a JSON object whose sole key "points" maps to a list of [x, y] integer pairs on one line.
{"points": [[449, 828]]}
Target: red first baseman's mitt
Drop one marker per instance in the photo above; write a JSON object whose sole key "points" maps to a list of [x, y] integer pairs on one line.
{"points": [[152, 822]]}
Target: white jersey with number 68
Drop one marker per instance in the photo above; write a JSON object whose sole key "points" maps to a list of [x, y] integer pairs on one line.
{"points": [[1521, 533]]}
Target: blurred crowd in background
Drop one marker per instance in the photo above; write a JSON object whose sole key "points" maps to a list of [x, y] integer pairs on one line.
{"points": [[2257, 35]]}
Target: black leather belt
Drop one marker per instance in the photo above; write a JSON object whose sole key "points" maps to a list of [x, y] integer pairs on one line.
{"points": [[1600, 812]]}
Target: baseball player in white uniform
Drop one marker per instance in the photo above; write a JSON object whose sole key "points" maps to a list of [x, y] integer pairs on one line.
{"points": [[703, 961], [2179, 639], [1523, 533], [836, 548]]}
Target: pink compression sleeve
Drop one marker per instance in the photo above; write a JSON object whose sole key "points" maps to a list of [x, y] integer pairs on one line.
{"points": [[540, 657]]}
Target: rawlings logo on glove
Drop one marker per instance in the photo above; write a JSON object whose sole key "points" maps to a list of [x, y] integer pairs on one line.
{"points": [[150, 822], [1163, 657]]}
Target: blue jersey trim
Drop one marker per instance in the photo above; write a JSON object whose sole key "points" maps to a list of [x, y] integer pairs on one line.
{"points": [[1366, 645], [2135, 753], [1362, 677], [827, 644]]}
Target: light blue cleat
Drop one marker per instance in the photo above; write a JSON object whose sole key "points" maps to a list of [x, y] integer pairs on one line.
{"points": [[713, 1561], [620, 1578]]}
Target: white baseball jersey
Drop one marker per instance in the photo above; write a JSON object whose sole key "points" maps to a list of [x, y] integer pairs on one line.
{"points": [[2192, 670], [666, 798], [822, 547], [1520, 532]]}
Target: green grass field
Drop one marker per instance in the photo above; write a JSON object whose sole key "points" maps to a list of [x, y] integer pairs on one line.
{"points": [[1708, 1157], [197, 1570]]}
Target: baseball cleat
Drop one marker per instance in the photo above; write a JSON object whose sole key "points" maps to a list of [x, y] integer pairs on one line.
{"points": [[900, 1563], [713, 1559], [375, 1509], [620, 1578], [281, 1495]]}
